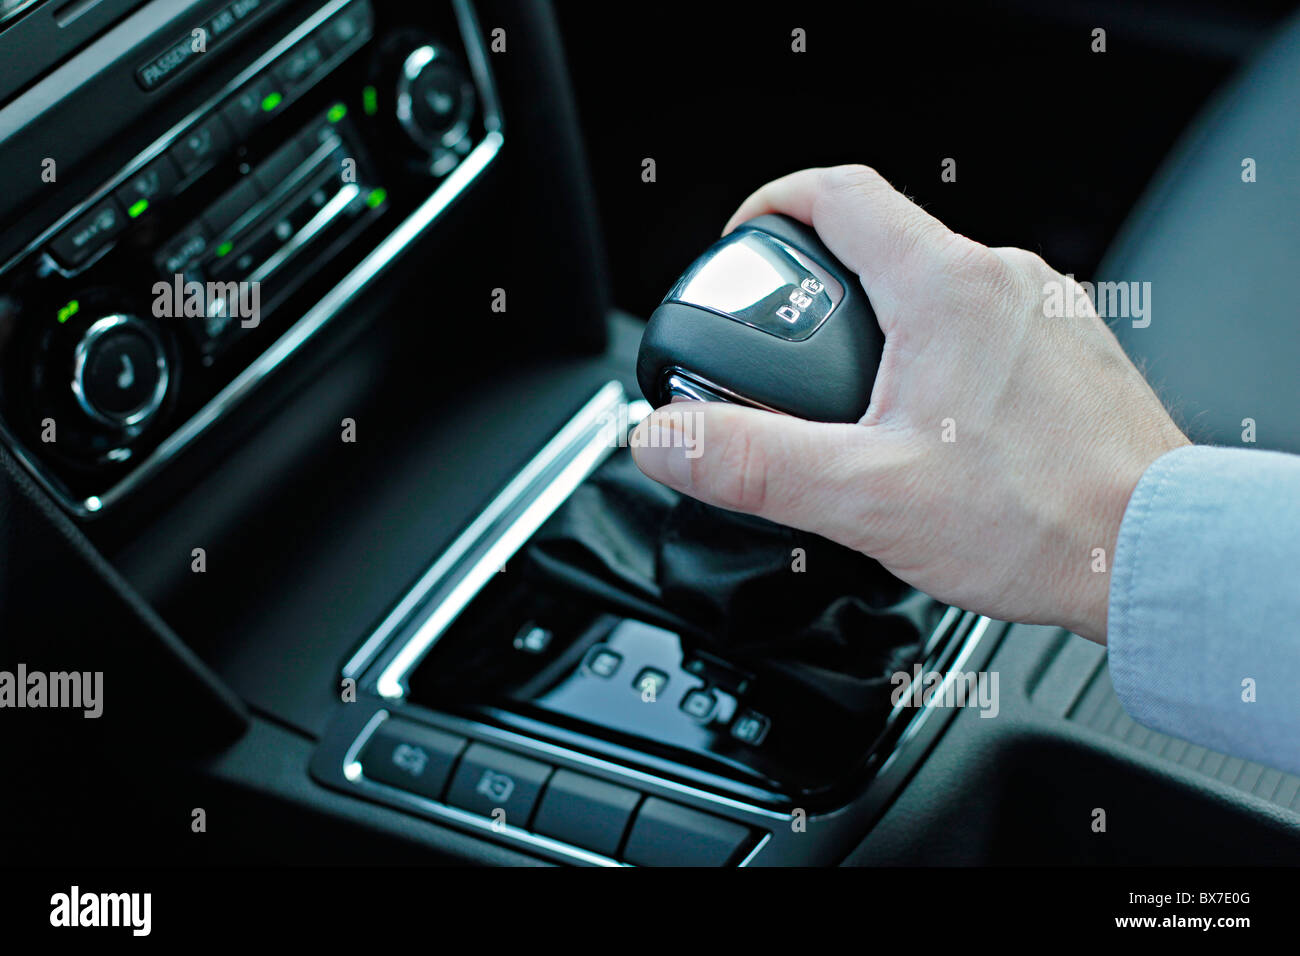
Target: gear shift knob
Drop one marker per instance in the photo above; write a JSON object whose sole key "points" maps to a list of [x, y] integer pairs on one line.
{"points": [[765, 317]]}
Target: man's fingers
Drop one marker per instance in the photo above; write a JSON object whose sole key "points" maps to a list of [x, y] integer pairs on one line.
{"points": [[871, 227], [791, 195], [807, 475]]}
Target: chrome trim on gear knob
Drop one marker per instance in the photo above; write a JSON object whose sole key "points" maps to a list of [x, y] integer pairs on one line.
{"points": [[763, 282]]}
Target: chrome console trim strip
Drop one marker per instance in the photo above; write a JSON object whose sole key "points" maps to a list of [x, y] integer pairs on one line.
{"points": [[327, 214], [604, 403], [677, 382], [510, 520], [969, 643]]}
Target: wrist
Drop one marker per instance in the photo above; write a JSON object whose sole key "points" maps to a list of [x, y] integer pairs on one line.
{"points": [[1100, 515]]}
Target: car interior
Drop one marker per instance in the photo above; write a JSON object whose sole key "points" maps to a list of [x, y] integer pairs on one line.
{"points": [[319, 327]]}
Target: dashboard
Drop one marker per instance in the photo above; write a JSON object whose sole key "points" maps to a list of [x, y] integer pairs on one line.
{"points": [[173, 251], [318, 335]]}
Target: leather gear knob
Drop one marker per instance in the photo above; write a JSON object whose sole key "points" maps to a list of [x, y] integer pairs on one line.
{"points": [[765, 317]]}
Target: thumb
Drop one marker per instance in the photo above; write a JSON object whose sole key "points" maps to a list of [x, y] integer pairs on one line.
{"points": [[808, 475]]}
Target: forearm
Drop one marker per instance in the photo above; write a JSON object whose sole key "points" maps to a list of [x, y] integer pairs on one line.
{"points": [[1205, 602]]}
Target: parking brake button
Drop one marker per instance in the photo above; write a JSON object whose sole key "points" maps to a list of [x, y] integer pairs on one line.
{"points": [[490, 780]]}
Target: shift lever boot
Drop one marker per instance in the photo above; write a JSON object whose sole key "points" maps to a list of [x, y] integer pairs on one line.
{"points": [[763, 596]]}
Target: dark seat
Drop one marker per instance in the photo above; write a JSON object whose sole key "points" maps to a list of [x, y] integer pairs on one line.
{"points": [[1223, 260]]}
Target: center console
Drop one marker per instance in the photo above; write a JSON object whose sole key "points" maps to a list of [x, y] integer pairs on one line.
{"points": [[263, 163], [543, 685], [593, 670]]}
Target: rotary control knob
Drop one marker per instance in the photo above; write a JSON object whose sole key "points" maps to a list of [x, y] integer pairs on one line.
{"points": [[435, 99], [120, 372]]}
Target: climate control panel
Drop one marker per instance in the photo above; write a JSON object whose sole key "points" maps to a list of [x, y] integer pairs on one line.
{"points": [[151, 301]]}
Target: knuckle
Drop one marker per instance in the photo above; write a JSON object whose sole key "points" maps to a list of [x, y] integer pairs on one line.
{"points": [[1029, 262], [1029, 268], [977, 270], [850, 176], [837, 181], [966, 257]]}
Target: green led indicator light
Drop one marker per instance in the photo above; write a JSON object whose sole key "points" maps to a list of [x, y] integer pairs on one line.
{"points": [[370, 100], [271, 101], [137, 208], [69, 310], [376, 198], [224, 248], [336, 113]]}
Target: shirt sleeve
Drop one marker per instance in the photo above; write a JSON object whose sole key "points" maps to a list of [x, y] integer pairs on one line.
{"points": [[1204, 618]]}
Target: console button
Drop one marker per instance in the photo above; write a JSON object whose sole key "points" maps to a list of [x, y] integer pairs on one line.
{"points": [[183, 51], [411, 757], [120, 371], [585, 812], [344, 28], [533, 639], [183, 250], [167, 64], [489, 779], [317, 135], [240, 259], [435, 99], [89, 233], [147, 187], [231, 205], [244, 111], [751, 727], [296, 67], [651, 682], [603, 662], [201, 145], [668, 834], [227, 19], [699, 704]]}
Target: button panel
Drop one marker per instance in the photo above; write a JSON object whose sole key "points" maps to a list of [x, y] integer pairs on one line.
{"points": [[233, 186], [513, 793], [256, 226], [212, 137]]}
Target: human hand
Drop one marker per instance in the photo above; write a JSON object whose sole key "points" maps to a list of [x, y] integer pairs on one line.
{"points": [[1000, 448]]}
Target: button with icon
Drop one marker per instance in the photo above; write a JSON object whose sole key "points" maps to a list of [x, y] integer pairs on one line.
{"points": [[751, 728], [700, 704], [411, 757], [146, 188], [201, 145], [489, 781], [120, 372], [603, 662], [650, 683]]}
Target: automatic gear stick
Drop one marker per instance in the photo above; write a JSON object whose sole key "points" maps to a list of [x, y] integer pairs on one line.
{"points": [[766, 317]]}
